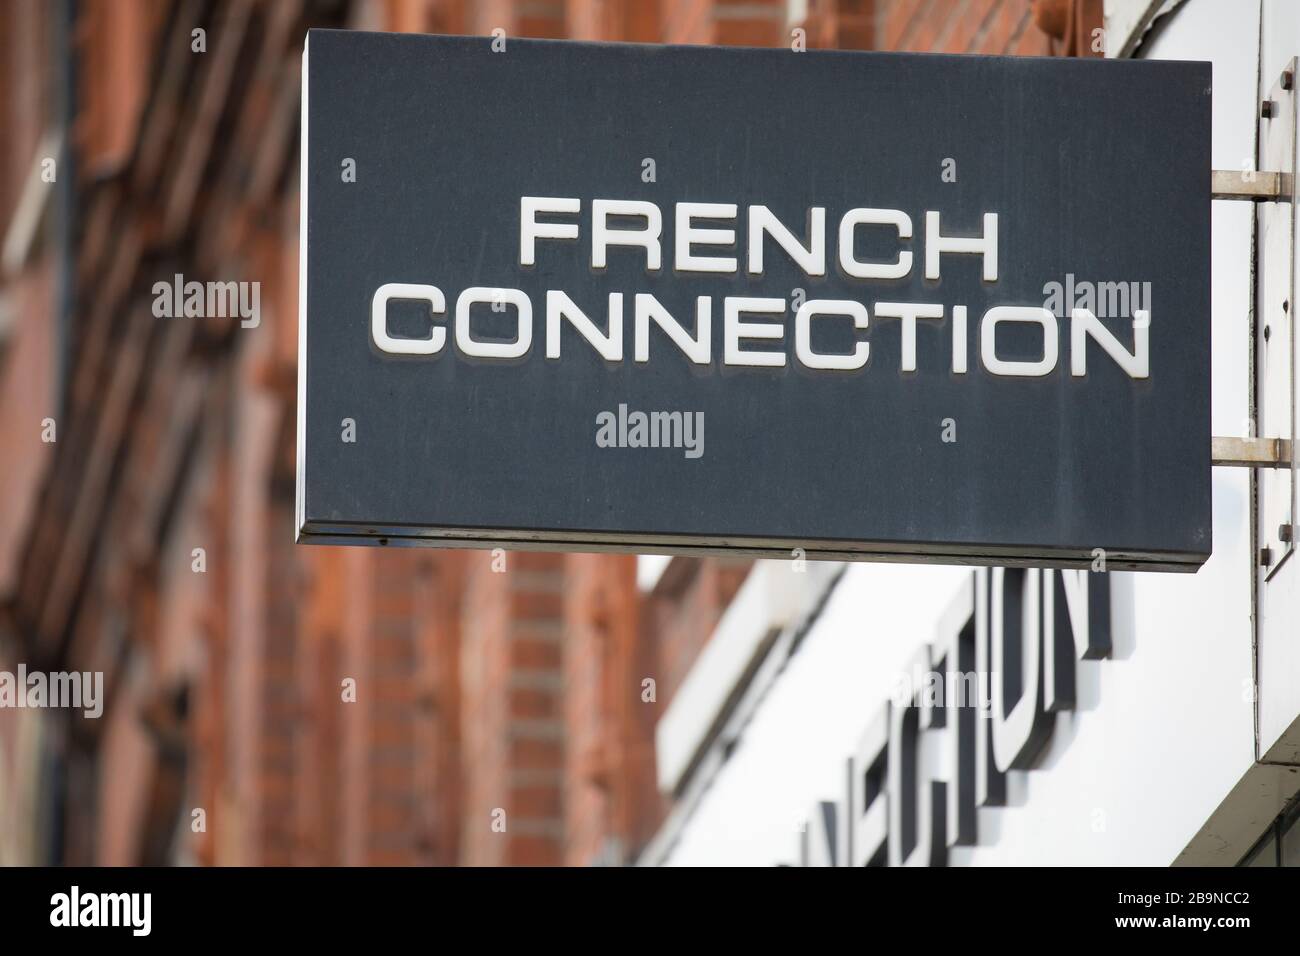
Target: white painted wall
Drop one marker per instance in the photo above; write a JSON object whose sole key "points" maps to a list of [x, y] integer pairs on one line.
{"points": [[1164, 728], [1279, 604]]}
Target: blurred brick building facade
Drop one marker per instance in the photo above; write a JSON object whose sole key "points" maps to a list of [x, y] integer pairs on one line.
{"points": [[152, 539]]}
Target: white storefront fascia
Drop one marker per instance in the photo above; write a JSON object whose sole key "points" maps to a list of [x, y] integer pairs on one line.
{"points": [[1165, 757]]}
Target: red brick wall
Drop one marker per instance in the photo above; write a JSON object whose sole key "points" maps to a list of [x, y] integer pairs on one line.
{"points": [[513, 727], [609, 765]]}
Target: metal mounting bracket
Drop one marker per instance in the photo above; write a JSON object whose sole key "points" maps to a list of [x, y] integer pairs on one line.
{"points": [[1249, 185], [1251, 452]]}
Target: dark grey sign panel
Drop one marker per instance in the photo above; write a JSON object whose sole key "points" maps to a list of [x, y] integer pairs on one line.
{"points": [[627, 297]]}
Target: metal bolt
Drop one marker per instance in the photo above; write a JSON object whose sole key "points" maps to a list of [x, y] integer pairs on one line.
{"points": [[1265, 557], [1267, 333], [1284, 533], [1266, 109], [1288, 79]]}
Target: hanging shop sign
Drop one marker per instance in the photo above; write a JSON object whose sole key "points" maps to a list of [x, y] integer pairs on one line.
{"points": [[690, 299]]}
